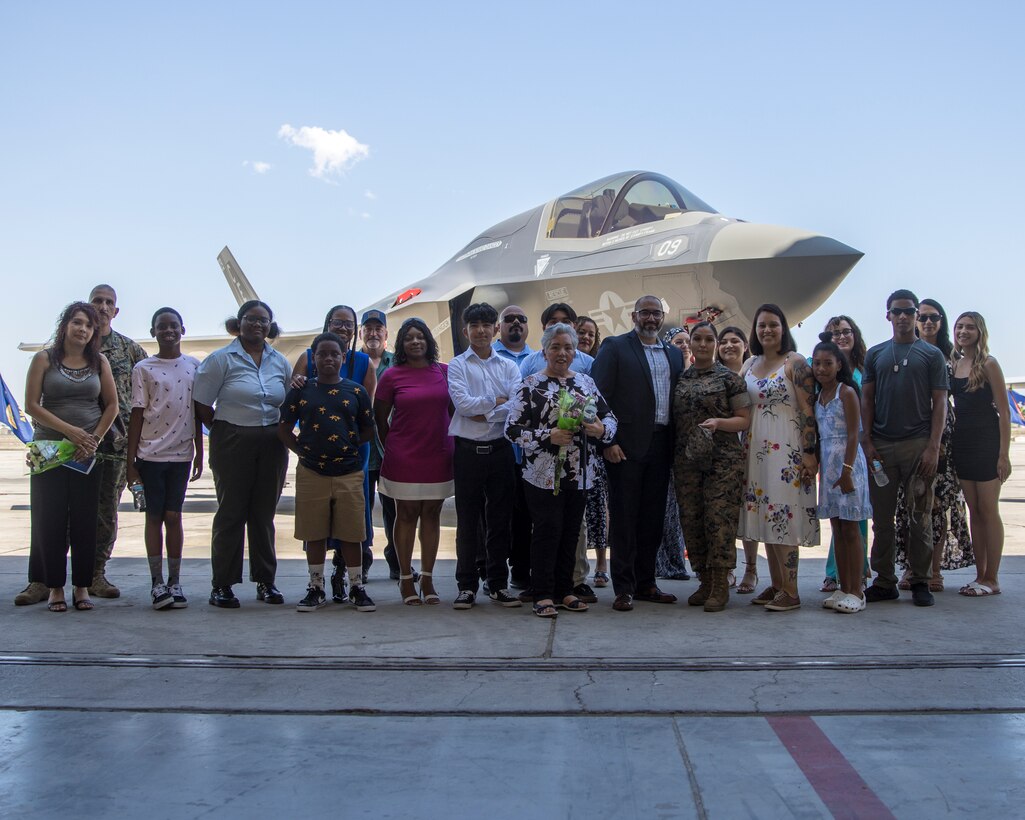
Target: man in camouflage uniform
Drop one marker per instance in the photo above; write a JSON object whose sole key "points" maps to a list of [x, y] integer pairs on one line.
{"points": [[122, 354]]}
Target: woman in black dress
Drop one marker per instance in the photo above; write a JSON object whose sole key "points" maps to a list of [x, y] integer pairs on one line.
{"points": [[981, 442]]}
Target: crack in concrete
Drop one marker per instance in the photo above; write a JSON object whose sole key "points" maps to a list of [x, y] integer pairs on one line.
{"points": [[753, 697], [577, 690], [692, 778]]}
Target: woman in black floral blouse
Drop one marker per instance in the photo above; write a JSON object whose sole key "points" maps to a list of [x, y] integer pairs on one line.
{"points": [[558, 465]]}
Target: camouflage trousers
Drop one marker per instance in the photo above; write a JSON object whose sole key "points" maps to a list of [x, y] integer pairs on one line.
{"points": [[113, 479], [709, 496]]}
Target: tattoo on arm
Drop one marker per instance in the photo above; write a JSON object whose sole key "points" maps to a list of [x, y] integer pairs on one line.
{"points": [[804, 381]]}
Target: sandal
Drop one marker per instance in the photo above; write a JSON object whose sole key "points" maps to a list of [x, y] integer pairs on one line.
{"points": [[750, 580], [430, 598], [829, 585], [545, 611], [731, 577], [81, 604], [936, 584], [977, 590], [905, 581], [574, 604], [410, 600], [57, 606], [601, 579]]}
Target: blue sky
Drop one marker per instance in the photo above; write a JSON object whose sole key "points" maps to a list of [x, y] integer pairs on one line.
{"points": [[131, 136]]}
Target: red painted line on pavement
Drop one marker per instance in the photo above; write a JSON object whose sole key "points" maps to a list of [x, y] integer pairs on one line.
{"points": [[832, 776]]}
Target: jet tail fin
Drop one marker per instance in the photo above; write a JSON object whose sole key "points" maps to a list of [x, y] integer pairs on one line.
{"points": [[237, 281]]}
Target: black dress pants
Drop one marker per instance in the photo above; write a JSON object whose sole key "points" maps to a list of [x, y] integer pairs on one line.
{"points": [[65, 505], [249, 466], [553, 548], [637, 510], [519, 554], [485, 480], [387, 518]]}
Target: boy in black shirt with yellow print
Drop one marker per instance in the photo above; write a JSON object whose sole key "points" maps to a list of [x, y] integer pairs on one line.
{"points": [[335, 416]]}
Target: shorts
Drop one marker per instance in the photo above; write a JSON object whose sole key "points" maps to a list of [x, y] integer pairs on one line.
{"points": [[329, 506], [164, 483]]}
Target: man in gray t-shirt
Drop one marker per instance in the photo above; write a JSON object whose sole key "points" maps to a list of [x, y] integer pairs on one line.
{"points": [[904, 408]]}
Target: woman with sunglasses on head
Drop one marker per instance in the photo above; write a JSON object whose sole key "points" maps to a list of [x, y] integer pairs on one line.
{"points": [[669, 561], [413, 411], [341, 320], [980, 445], [731, 352], [952, 542], [846, 335], [246, 380], [596, 511]]}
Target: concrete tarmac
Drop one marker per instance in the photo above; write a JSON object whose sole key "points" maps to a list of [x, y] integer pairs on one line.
{"points": [[427, 712]]}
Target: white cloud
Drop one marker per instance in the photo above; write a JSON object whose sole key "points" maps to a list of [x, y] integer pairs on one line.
{"points": [[257, 166], [333, 151], [369, 194]]}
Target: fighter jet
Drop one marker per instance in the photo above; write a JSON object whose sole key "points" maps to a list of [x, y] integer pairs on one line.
{"points": [[599, 248], [604, 245]]}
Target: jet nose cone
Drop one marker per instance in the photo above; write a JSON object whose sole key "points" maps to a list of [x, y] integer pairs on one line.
{"points": [[795, 269]]}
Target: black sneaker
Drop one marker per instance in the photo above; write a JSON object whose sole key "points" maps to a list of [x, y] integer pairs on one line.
{"points": [[920, 595], [180, 601], [338, 587], [465, 599], [503, 598], [161, 596], [269, 594], [358, 598], [314, 600], [224, 598], [877, 593], [585, 594]]}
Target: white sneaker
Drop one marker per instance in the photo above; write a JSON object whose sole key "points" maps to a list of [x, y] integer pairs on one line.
{"points": [[830, 602], [849, 604], [161, 596]]}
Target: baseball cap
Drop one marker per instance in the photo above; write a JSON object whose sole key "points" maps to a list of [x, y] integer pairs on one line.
{"points": [[374, 316]]}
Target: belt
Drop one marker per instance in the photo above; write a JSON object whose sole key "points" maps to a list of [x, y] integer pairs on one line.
{"points": [[481, 448]]}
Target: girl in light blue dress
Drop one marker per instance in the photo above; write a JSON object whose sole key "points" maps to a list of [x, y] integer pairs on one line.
{"points": [[843, 474]]}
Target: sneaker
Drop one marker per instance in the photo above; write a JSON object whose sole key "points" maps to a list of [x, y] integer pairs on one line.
{"points": [[585, 594], [338, 594], [877, 593], [783, 603], [503, 598], [180, 601], [314, 600], [358, 598], [920, 595], [465, 599], [36, 592], [102, 588], [161, 596]]}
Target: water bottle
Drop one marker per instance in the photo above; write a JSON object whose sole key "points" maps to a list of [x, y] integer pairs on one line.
{"points": [[138, 497], [878, 473]]}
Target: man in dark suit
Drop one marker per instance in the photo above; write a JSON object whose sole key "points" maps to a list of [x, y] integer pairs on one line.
{"points": [[636, 373]]}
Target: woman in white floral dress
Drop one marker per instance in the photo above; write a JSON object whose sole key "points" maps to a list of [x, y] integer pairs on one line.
{"points": [[779, 496]]}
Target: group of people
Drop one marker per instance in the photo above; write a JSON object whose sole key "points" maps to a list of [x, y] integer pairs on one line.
{"points": [[650, 448]]}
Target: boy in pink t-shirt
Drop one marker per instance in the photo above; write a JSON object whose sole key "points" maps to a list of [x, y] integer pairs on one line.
{"points": [[164, 439]]}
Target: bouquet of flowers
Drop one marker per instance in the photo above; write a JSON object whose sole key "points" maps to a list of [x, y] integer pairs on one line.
{"points": [[572, 411], [45, 455]]}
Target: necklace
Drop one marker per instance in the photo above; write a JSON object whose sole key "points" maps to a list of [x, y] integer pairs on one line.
{"points": [[893, 353], [75, 374]]}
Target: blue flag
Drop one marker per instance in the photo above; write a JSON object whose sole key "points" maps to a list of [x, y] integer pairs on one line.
{"points": [[13, 417], [1017, 402]]}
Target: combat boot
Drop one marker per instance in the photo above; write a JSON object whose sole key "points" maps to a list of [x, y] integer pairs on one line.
{"points": [[719, 595], [34, 593], [700, 595], [102, 588]]}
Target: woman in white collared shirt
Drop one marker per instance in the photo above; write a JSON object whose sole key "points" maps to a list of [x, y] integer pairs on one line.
{"points": [[238, 393]]}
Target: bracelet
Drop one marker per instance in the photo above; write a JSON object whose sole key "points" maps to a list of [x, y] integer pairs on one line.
{"points": [[848, 467]]}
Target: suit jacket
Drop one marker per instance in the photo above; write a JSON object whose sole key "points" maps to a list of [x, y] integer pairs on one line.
{"points": [[623, 376]]}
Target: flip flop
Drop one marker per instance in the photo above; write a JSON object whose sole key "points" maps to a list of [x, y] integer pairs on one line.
{"points": [[57, 606], [977, 590]]}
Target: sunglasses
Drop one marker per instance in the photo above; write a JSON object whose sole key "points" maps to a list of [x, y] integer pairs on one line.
{"points": [[515, 317], [930, 317], [904, 311]]}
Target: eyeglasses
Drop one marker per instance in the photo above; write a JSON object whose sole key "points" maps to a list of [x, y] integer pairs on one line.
{"points": [[930, 317], [903, 311], [256, 320], [650, 314], [843, 334], [514, 317], [344, 324]]}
